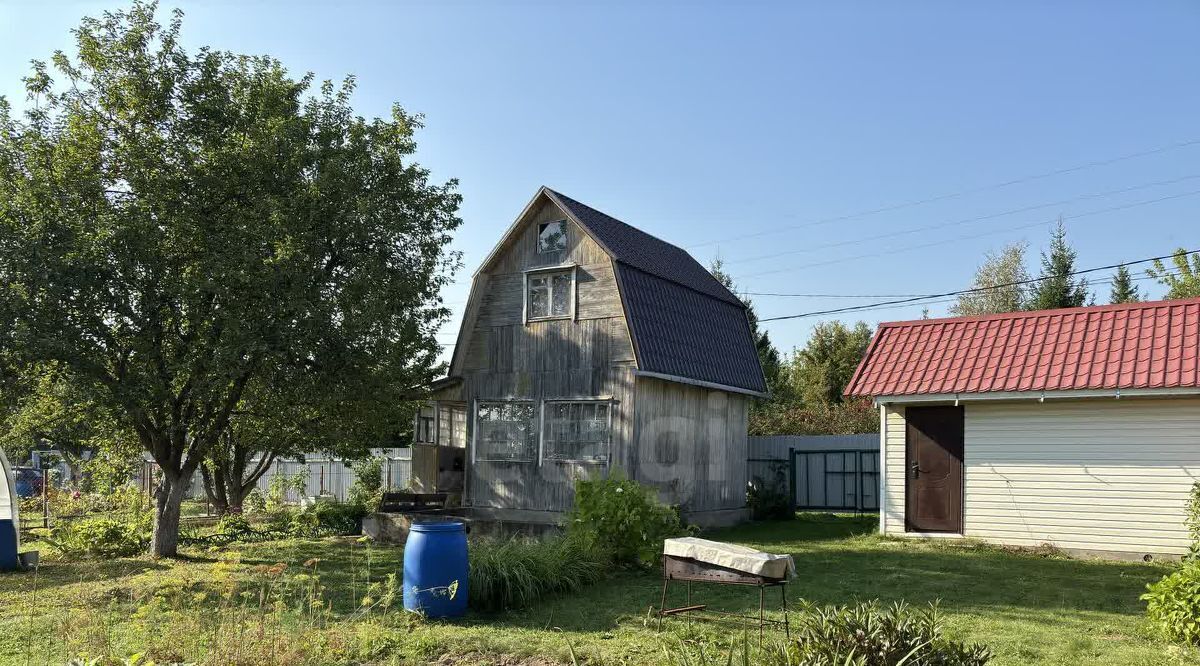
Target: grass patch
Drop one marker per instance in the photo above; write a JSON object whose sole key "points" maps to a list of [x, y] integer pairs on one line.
{"points": [[1029, 609]]}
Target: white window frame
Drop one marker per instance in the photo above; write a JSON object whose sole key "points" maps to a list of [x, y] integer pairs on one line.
{"points": [[569, 268], [475, 430], [579, 461], [537, 237]]}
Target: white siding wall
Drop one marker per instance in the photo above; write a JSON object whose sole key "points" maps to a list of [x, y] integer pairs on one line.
{"points": [[1100, 474], [893, 500], [1104, 474]]}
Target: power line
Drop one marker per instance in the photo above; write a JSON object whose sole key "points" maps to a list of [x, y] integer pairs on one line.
{"points": [[985, 234], [979, 218], [974, 290], [769, 293], [953, 195]]}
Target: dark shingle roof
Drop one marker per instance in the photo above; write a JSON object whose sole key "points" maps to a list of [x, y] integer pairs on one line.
{"points": [[645, 252], [683, 321], [685, 333]]}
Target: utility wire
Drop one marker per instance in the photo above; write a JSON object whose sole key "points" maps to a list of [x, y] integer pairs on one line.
{"points": [[960, 193], [974, 290], [985, 234], [772, 293], [980, 218]]}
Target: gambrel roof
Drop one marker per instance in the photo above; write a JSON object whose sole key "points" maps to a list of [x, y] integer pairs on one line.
{"points": [[1141, 346], [683, 322]]}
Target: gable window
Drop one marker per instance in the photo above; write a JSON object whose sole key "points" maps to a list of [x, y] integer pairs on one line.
{"points": [[505, 431], [550, 294], [579, 431], [552, 236]]}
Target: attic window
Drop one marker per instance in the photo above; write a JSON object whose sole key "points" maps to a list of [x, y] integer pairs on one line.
{"points": [[550, 294], [552, 236]]}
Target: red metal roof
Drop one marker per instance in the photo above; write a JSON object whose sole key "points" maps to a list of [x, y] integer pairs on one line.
{"points": [[1138, 345]]}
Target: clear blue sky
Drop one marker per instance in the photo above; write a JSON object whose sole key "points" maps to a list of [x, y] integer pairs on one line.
{"points": [[704, 122]]}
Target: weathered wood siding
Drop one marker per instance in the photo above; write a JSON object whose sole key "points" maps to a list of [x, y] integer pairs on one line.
{"points": [[1100, 475], [589, 356], [691, 444]]}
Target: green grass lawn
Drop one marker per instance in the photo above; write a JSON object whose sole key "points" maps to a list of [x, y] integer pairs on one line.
{"points": [[1029, 609]]}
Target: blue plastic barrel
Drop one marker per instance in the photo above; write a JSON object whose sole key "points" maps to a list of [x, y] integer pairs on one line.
{"points": [[8, 546], [435, 569]]}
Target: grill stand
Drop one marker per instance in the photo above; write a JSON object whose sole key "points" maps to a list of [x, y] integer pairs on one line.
{"points": [[688, 571]]}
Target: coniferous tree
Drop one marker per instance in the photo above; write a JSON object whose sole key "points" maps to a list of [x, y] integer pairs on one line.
{"points": [[1123, 288], [1057, 287]]}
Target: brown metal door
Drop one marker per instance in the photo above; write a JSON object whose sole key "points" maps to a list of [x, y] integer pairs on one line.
{"points": [[933, 467]]}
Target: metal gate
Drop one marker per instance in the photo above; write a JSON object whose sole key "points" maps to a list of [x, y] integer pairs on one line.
{"points": [[837, 480]]}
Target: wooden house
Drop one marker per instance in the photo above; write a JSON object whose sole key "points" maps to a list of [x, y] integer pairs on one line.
{"points": [[1078, 428], [589, 346]]}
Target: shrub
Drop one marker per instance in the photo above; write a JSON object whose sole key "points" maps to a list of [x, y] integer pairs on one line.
{"points": [[103, 536], [851, 417], [1191, 520], [872, 635], [516, 572], [768, 498], [623, 515], [1173, 604], [367, 489]]}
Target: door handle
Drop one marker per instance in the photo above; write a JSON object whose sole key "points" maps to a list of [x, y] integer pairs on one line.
{"points": [[916, 469]]}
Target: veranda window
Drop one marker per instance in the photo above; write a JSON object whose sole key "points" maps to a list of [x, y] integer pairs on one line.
{"points": [[550, 294], [506, 432], [577, 430]]}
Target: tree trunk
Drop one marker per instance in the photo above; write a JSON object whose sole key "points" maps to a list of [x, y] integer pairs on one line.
{"points": [[168, 498], [213, 488]]}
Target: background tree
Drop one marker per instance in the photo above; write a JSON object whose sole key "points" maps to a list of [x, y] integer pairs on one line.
{"points": [[1123, 288], [1184, 280], [1056, 286], [822, 369], [768, 354], [1000, 279], [334, 411], [177, 226]]}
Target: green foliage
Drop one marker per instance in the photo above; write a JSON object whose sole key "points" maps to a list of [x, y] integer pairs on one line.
{"points": [[367, 490], [872, 635], [623, 516], [821, 370], [862, 635], [515, 573], [1184, 280], [103, 536], [184, 229], [1191, 520], [282, 485], [1123, 288], [999, 284], [1056, 287], [1173, 604], [768, 498], [851, 417]]}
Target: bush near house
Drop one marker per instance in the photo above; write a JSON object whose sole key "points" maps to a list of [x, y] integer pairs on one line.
{"points": [[624, 516], [1173, 603]]}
